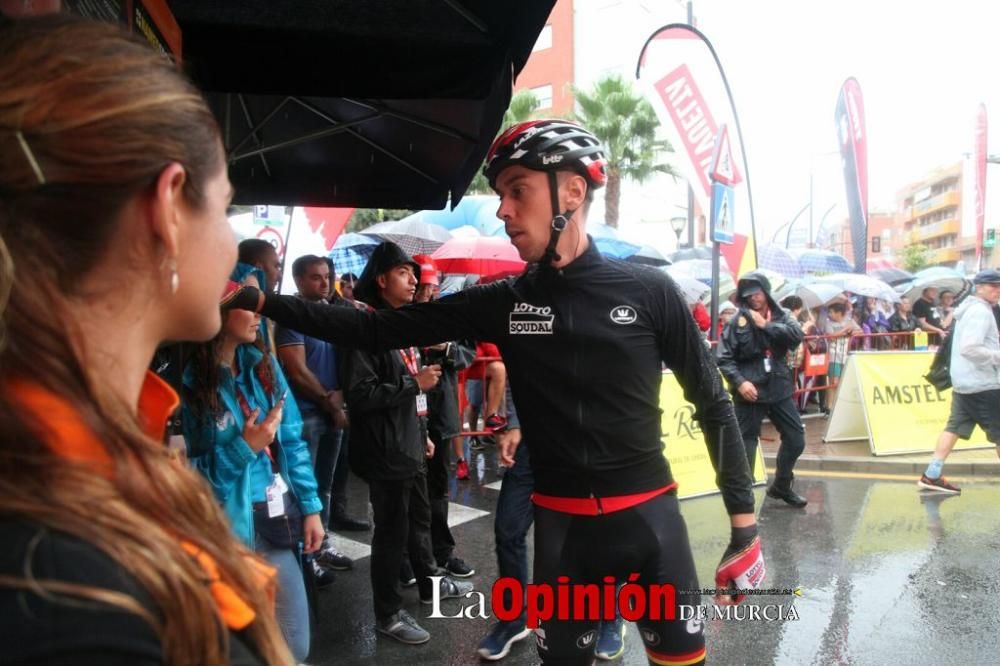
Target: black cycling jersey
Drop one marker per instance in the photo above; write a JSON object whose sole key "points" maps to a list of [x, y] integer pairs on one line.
{"points": [[583, 347]]}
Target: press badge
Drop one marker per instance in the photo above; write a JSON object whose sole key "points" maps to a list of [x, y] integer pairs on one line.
{"points": [[421, 404], [767, 364], [276, 497]]}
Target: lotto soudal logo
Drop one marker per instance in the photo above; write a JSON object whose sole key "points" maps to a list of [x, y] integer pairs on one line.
{"points": [[552, 159], [623, 314], [531, 320]]}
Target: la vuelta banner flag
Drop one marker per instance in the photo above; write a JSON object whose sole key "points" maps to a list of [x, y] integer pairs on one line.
{"points": [[850, 121], [681, 76], [979, 159]]}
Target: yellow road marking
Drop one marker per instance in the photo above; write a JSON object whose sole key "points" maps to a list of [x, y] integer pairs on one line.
{"points": [[886, 477]]}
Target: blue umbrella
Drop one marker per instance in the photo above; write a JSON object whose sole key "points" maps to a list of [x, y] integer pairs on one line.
{"points": [[351, 252], [821, 261], [610, 243], [779, 260], [475, 211]]}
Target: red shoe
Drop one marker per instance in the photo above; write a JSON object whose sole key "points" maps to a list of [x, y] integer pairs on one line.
{"points": [[461, 470], [496, 423]]}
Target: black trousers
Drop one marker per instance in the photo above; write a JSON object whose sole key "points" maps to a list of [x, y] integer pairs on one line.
{"points": [[786, 420], [402, 523], [442, 541]]}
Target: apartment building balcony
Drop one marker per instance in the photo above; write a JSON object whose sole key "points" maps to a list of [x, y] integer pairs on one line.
{"points": [[943, 255], [927, 206], [949, 227]]}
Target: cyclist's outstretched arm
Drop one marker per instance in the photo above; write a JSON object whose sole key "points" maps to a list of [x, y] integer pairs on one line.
{"points": [[685, 353], [469, 313]]}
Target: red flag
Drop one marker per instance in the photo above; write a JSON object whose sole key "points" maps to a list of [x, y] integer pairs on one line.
{"points": [[850, 121], [328, 222], [980, 162]]}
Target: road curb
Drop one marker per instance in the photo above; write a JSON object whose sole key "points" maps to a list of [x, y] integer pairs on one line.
{"points": [[887, 466]]}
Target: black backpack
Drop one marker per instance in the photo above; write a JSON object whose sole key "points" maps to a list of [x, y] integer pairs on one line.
{"points": [[940, 373]]}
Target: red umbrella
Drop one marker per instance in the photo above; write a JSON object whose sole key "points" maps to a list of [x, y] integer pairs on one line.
{"points": [[480, 255]]}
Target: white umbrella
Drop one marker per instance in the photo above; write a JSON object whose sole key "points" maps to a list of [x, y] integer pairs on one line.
{"points": [[938, 277], [691, 289], [862, 285], [818, 294], [414, 236]]}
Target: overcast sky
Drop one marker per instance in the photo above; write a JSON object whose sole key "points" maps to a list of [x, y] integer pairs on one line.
{"points": [[923, 69]]}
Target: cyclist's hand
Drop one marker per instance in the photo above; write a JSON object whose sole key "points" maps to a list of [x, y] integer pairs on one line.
{"points": [[507, 443], [428, 377], [244, 298], [748, 391], [742, 566]]}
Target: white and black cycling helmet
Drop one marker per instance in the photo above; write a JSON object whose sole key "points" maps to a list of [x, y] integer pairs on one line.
{"points": [[548, 145]]}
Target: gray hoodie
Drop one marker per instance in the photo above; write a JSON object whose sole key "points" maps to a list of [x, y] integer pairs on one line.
{"points": [[975, 351]]}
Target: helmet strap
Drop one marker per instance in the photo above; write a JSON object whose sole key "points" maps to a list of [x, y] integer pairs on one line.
{"points": [[560, 220]]}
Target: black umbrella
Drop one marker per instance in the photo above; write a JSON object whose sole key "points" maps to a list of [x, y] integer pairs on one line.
{"points": [[388, 104]]}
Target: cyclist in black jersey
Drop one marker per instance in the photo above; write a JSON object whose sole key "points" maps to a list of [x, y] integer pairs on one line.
{"points": [[584, 339]]}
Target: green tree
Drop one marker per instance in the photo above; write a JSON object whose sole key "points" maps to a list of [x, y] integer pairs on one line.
{"points": [[626, 124], [362, 218], [915, 256], [523, 106]]}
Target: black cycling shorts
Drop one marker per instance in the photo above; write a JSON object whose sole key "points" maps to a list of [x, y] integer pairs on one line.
{"points": [[649, 539]]}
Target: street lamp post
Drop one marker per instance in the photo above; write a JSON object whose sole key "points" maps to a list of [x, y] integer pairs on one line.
{"points": [[677, 224]]}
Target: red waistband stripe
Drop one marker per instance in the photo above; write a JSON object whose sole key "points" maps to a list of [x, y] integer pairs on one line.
{"points": [[596, 506]]}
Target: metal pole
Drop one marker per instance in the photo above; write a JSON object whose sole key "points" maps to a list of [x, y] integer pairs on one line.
{"points": [[690, 222], [713, 332], [791, 224], [288, 237], [809, 241]]}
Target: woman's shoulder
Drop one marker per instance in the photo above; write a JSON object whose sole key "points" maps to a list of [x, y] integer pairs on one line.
{"points": [[43, 625]]}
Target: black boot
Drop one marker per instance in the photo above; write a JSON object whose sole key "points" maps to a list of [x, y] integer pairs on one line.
{"points": [[782, 489]]}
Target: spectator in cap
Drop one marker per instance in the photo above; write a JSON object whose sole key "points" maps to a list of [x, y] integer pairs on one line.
{"points": [[975, 378], [387, 398], [752, 353]]}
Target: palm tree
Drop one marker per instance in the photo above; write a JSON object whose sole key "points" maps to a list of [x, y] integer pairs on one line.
{"points": [[626, 123], [522, 107]]}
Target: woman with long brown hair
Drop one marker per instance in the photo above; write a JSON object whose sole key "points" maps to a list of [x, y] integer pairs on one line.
{"points": [[113, 238], [245, 437]]}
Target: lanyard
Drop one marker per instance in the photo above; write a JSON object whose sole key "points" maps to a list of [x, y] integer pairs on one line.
{"points": [[410, 360], [247, 412]]}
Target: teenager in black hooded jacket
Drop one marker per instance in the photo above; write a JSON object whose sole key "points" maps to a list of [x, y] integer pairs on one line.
{"points": [[387, 399]]}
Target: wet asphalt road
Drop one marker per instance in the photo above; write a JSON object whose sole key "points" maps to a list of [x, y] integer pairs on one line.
{"points": [[885, 578]]}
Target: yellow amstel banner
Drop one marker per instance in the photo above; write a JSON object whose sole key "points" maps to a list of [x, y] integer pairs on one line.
{"points": [[684, 445], [885, 399]]}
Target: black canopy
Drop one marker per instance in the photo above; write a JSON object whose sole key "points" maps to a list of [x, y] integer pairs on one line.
{"points": [[370, 103]]}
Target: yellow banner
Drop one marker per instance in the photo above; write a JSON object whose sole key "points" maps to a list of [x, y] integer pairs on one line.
{"points": [[684, 445], [885, 399]]}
